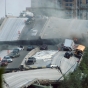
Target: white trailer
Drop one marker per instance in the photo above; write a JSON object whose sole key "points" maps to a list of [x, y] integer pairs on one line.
{"points": [[68, 45]]}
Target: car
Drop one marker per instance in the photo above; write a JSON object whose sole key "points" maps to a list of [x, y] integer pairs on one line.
{"points": [[16, 50], [8, 58], [31, 60], [67, 48], [4, 62], [79, 51], [43, 47], [53, 66], [13, 55], [29, 20], [68, 54], [34, 32], [29, 48], [20, 47]]}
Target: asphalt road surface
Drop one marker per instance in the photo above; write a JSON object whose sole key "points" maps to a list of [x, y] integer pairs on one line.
{"points": [[32, 30], [17, 61]]}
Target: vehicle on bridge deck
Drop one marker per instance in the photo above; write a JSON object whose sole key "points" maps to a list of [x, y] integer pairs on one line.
{"points": [[13, 55], [68, 54], [29, 48], [68, 45], [16, 50], [43, 47], [8, 58], [4, 62], [31, 60], [79, 51], [20, 47]]}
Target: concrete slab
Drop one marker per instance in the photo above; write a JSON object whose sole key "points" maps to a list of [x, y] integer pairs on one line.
{"points": [[64, 28], [54, 58], [43, 59], [18, 79], [66, 65], [45, 54], [12, 29]]}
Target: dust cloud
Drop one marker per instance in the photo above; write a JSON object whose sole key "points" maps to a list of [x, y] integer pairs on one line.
{"points": [[47, 8], [69, 28]]}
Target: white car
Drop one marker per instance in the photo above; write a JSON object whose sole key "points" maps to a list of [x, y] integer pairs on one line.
{"points": [[53, 66], [34, 32], [8, 58], [20, 47]]}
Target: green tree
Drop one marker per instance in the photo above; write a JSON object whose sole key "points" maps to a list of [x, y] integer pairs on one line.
{"points": [[73, 80], [1, 72], [79, 78], [84, 68]]}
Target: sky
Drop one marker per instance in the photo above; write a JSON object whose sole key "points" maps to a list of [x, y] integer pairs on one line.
{"points": [[13, 7]]}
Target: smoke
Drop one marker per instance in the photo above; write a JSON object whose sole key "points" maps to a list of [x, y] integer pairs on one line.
{"points": [[13, 7], [47, 8], [65, 28], [69, 28]]}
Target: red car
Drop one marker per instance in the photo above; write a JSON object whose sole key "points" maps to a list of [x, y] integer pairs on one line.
{"points": [[4, 62]]}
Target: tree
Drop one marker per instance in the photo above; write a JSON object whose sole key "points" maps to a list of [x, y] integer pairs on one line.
{"points": [[79, 78], [1, 72]]}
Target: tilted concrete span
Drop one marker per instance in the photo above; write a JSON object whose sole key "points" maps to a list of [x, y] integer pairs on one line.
{"points": [[11, 29], [21, 78]]}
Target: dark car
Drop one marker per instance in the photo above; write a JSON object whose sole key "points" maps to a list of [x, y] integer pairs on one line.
{"points": [[67, 48], [30, 61], [43, 47], [68, 54], [29, 48], [15, 50], [4, 62], [29, 20], [78, 54], [13, 55], [21, 47]]}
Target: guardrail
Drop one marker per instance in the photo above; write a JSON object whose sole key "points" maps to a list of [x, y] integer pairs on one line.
{"points": [[3, 23], [31, 42], [31, 53]]}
